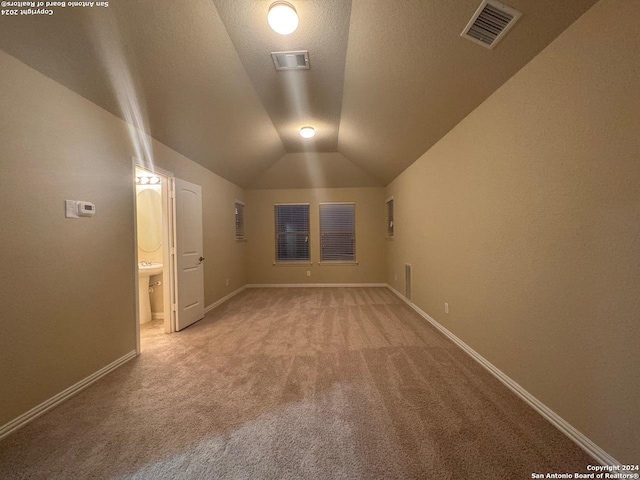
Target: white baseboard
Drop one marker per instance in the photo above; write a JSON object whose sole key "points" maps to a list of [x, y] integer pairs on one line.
{"points": [[56, 400], [556, 420], [224, 299], [313, 285], [157, 316]]}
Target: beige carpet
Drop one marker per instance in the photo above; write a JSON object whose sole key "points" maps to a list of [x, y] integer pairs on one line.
{"points": [[344, 383]]}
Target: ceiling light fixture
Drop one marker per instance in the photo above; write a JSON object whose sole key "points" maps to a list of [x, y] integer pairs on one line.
{"points": [[148, 180], [282, 18], [307, 132]]}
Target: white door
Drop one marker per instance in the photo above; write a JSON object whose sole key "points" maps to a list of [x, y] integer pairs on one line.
{"points": [[189, 257]]}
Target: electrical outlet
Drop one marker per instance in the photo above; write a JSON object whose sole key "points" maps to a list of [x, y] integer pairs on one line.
{"points": [[446, 307], [308, 273], [395, 277], [226, 282]]}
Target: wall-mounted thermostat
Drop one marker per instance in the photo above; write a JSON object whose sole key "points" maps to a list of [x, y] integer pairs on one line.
{"points": [[86, 209], [78, 208]]}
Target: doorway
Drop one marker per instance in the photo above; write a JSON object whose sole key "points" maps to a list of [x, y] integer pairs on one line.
{"points": [[155, 247]]}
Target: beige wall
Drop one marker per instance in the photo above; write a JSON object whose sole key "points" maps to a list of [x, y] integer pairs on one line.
{"points": [[525, 218], [224, 256], [67, 285], [370, 232]]}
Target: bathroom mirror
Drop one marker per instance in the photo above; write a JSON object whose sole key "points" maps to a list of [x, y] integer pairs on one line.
{"points": [[149, 220]]}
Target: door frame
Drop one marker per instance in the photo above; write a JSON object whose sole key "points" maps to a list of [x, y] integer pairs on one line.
{"points": [[168, 246]]}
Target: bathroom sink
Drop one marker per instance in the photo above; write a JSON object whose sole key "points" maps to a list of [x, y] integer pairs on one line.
{"points": [[149, 269], [146, 270]]}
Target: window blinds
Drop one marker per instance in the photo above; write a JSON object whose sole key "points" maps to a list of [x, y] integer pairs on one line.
{"points": [[390, 218], [337, 232], [292, 233], [239, 221]]}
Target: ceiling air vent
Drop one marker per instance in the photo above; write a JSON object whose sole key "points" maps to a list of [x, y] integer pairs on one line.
{"points": [[490, 23], [298, 60]]}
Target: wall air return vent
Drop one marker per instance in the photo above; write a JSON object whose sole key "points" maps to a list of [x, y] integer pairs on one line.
{"points": [[407, 281], [490, 23], [298, 60]]}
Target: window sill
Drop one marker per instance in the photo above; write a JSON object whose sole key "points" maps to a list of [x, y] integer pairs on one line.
{"points": [[241, 240], [292, 264], [389, 238], [336, 263]]}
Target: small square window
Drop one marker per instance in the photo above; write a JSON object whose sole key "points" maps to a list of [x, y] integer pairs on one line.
{"points": [[390, 224], [239, 221]]}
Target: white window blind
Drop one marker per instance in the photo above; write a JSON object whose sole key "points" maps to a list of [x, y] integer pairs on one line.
{"points": [[337, 232], [390, 218], [239, 221], [292, 233]]}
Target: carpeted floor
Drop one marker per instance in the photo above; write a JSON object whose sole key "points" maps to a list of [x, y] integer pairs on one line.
{"points": [[325, 383]]}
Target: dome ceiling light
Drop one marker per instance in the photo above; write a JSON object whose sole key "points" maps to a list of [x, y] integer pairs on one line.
{"points": [[282, 18], [307, 132]]}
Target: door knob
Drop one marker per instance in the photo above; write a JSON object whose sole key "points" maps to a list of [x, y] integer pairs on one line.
{"points": [[201, 259]]}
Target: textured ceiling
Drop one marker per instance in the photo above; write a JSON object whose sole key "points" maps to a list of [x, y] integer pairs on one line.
{"points": [[410, 77], [295, 98], [173, 69], [388, 79], [314, 169]]}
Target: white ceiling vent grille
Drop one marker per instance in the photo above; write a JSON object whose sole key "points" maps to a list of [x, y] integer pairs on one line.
{"points": [[490, 23], [298, 60]]}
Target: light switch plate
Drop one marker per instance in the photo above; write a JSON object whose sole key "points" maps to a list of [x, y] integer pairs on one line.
{"points": [[71, 209]]}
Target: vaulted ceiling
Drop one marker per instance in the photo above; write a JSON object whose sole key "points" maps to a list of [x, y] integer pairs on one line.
{"points": [[387, 80]]}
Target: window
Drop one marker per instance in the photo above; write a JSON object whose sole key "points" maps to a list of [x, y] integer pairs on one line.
{"points": [[390, 218], [239, 220], [337, 232], [292, 233]]}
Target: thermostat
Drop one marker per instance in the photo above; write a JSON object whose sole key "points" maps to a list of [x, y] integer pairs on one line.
{"points": [[78, 208], [86, 209]]}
